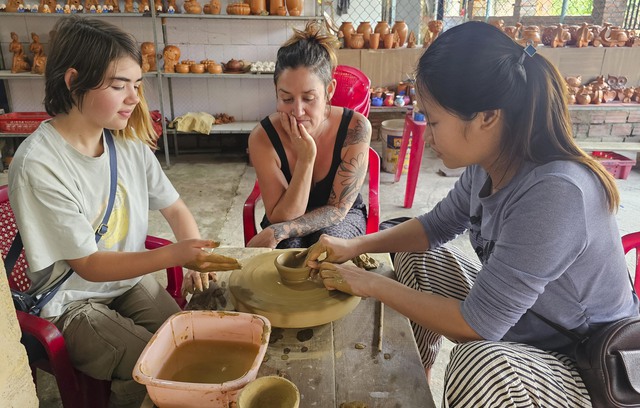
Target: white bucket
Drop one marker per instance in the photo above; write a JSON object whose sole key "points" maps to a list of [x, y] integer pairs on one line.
{"points": [[391, 135]]}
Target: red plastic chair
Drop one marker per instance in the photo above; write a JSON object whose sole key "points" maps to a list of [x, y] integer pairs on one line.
{"points": [[353, 89], [43, 341], [629, 242], [373, 210]]}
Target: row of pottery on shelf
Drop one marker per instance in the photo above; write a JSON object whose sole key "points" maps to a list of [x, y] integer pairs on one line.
{"points": [[561, 35], [21, 62], [601, 90], [382, 36], [254, 7], [172, 63]]}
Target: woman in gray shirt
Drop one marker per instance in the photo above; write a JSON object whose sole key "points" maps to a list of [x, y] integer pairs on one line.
{"points": [[540, 216]]}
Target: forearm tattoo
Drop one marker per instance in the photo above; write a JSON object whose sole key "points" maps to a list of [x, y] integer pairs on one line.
{"points": [[352, 174]]}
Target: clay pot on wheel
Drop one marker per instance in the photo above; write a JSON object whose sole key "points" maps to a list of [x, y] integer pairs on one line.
{"points": [[292, 270]]}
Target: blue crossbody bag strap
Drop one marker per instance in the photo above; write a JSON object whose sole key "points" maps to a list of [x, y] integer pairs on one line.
{"points": [[16, 247]]}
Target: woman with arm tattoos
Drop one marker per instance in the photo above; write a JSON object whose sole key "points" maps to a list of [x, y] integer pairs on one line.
{"points": [[310, 157]]}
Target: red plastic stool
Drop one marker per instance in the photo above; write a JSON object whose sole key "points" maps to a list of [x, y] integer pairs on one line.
{"points": [[415, 129]]}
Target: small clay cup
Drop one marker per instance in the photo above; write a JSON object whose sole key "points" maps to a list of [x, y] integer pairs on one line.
{"points": [[292, 270], [269, 391]]}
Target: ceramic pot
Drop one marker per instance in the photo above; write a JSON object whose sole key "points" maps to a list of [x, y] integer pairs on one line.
{"points": [[365, 29], [387, 40], [182, 68], [357, 41], [401, 28], [374, 41], [213, 7], [214, 68], [273, 6], [531, 33], [382, 28], [294, 5], [196, 68], [347, 29], [257, 7]]}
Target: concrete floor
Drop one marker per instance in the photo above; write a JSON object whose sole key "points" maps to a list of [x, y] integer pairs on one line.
{"points": [[214, 186]]}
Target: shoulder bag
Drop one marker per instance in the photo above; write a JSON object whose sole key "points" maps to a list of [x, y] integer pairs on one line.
{"points": [[33, 304], [608, 361]]}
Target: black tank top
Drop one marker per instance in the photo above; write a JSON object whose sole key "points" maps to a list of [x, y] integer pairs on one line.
{"points": [[319, 194]]}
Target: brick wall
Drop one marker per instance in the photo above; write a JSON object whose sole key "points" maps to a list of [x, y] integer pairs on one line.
{"points": [[606, 123]]}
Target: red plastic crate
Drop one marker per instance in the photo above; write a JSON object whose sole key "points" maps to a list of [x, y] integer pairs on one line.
{"points": [[21, 122], [616, 164]]}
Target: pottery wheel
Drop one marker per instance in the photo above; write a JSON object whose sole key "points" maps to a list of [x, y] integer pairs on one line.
{"points": [[257, 288]]}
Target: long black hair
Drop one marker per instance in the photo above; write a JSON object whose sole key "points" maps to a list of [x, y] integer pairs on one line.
{"points": [[474, 67]]}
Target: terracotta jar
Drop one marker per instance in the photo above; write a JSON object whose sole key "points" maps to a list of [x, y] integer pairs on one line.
{"points": [[257, 7], [294, 5], [387, 40], [365, 29], [401, 28], [374, 41], [382, 28], [273, 6], [347, 29], [356, 41]]}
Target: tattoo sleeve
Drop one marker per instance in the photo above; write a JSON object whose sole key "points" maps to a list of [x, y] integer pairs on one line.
{"points": [[352, 175]]}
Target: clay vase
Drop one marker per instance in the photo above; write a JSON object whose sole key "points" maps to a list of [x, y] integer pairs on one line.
{"points": [[387, 40], [374, 41], [257, 7], [273, 6], [365, 29], [347, 29], [389, 97], [294, 5], [356, 41], [401, 28], [382, 28]]}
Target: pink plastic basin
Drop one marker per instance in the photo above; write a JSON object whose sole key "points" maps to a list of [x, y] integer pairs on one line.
{"points": [[200, 325]]}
